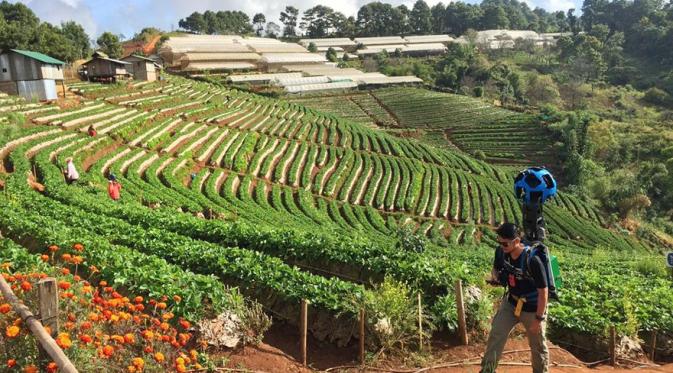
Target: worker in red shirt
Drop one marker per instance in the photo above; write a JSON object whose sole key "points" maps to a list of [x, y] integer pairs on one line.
{"points": [[114, 188]]}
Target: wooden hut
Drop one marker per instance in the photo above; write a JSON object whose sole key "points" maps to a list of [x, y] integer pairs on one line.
{"points": [[142, 68], [30, 74], [101, 68]]}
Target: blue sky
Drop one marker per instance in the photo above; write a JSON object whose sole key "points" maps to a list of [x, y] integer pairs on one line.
{"points": [[129, 16]]}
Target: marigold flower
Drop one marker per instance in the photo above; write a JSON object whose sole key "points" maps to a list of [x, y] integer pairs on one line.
{"points": [[52, 367], [177, 298], [180, 368], [159, 357], [102, 283], [78, 247], [164, 326], [63, 341], [77, 259], [44, 257], [193, 354], [66, 258], [161, 305], [5, 308], [26, 286], [185, 324], [138, 299], [129, 338], [53, 248], [64, 285], [118, 338], [11, 363], [147, 334], [30, 369], [131, 369], [12, 331], [93, 269], [76, 278], [149, 350], [85, 339], [108, 351], [138, 362]]}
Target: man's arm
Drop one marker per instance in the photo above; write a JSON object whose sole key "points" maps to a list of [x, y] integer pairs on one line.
{"points": [[541, 285], [542, 299]]}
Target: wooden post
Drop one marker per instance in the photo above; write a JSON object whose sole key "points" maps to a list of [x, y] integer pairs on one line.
{"points": [[48, 294], [460, 306], [653, 345], [362, 337], [420, 323], [303, 329], [613, 346], [36, 328]]}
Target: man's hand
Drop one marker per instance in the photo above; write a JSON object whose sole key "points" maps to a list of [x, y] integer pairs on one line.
{"points": [[535, 327]]}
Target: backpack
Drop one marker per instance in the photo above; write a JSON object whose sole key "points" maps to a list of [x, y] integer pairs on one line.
{"points": [[549, 262]]}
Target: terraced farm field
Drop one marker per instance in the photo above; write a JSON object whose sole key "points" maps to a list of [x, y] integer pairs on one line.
{"points": [[288, 203], [447, 120]]}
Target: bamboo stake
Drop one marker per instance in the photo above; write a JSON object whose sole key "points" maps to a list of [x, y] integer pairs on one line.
{"points": [[48, 311], [613, 346], [460, 306], [362, 337], [303, 328], [420, 323], [45, 340], [653, 345]]}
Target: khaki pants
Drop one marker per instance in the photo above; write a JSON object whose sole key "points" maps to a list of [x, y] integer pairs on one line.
{"points": [[503, 323]]}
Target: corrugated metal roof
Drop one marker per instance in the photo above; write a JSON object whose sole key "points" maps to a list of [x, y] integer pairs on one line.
{"points": [[425, 47], [107, 59], [320, 87], [327, 42], [325, 49], [279, 48], [39, 56]]}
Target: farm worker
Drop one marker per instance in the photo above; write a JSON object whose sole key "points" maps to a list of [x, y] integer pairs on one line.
{"points": [[71, 174], [525, 301], [114, 188], [91, 131]]}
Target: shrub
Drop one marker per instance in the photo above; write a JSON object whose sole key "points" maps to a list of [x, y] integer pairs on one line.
{"points": [[657, 96]]}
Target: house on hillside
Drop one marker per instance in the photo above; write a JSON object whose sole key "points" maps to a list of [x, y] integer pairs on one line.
{"points": [[101, 68], [31, 74], [142, 68]]}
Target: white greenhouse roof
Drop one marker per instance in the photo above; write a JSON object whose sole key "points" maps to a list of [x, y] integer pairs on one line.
{"points": [[291, 58], [320, 87], [328, 42], [215, 65], [417, 39], [382, 40], [221, 57], [261, 77], [301, 81]]}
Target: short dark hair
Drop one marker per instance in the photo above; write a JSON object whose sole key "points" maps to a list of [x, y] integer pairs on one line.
{"points": [[508, 231]]}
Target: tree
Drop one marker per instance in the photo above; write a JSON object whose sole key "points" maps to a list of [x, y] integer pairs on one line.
{"points": [[109, 44], [272, 30], [542, 89], [460, 17], [194, 22], [379, 19], [437, 12], [289, 19], [259, 20], [312, 47], [420, 18], [75, 33], [495, 18], [331, 55], [317, 21]]}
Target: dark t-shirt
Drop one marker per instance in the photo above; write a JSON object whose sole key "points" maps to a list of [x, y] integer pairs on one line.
{"points": [[522, 286]]}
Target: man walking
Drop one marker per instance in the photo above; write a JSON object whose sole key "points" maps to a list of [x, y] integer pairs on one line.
{"points": [[525, 301]]}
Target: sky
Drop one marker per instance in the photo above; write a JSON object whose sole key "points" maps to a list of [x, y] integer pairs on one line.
{"points": [[127, 17]]}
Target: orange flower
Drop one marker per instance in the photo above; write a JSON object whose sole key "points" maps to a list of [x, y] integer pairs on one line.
{"points": [[65, 271], [64, 285], [129, 338], [4, 308], [86, 325], [185, 324], [138, 299], [30, 369], [63, 341], [12, 331], [108, 351], [118, 338], [159, 357], [53, 248], [164, 326], [102, 283], [11, 363], [72, 317], [26, 286], [85, 339], [180, 368], [78, 247], [131, 369], [138, 362], [44, 257], [147, 334], [77, 259], [177, 298], [193, 354], [66, 257], [161, 305], [93, 269], [52, 367]]}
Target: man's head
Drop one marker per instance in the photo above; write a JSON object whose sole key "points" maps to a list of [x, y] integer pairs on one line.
{"points": [[508, 237]]}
